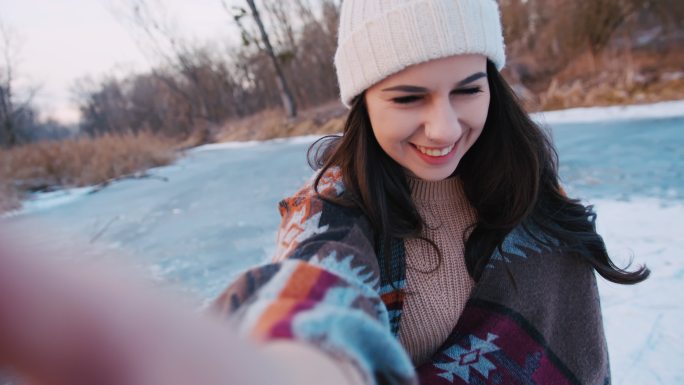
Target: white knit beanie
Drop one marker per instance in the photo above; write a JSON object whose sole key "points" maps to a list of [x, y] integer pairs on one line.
{"points": [[378, 38]]}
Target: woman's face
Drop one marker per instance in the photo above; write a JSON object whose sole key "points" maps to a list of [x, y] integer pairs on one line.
{"points": [[427, 116]]}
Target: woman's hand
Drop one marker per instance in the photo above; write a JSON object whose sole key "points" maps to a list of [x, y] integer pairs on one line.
{"points": [[62, 323]]}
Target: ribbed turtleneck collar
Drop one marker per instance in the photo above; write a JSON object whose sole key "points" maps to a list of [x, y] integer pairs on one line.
{"points": [[445, 189]]}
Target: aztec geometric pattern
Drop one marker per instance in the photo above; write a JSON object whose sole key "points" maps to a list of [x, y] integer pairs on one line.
{"points": [[393, 283], [463, 359], [492, 345], [518, 244]]}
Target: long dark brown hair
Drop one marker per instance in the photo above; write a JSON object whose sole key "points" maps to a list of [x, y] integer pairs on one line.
{"points": [[510, 177]]}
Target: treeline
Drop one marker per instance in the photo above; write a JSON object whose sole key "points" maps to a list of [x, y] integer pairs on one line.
{"points": [[22, 124], [197, 88]]}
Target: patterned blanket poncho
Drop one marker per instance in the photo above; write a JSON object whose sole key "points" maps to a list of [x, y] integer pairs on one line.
{"points": [[326, 287]]}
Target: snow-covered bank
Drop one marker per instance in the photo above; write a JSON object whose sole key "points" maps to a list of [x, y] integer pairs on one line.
{"points": [[251, 143], [671, 109], [46, 200], [661, 110]]}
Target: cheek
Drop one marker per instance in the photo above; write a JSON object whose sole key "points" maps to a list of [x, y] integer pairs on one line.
{"points": [[477, 114], [482, 110], [392, 128]]}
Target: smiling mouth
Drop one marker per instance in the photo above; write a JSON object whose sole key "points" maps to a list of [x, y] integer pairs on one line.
{"points": [[435, 152]]}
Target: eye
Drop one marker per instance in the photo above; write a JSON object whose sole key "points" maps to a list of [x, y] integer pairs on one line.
{"points": [[407, 99], [414, 98], [467, 91]]}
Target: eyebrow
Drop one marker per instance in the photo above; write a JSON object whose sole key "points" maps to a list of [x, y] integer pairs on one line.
{"points": [[416, 89]]}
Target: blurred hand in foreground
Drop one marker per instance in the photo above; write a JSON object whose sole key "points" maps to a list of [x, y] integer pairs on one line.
{"points": [[62, 323]]}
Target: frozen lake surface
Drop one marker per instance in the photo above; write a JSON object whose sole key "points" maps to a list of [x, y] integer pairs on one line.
{"points": [[200, 221]]}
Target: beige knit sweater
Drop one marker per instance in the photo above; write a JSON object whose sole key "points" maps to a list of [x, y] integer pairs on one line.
{"points": [[431, 312]]}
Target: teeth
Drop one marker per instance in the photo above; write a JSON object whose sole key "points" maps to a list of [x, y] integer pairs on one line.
{"points": [[435, 152]]}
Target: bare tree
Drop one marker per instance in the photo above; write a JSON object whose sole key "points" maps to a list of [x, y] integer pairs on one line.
{"points": [[14, 114], [303, 35], [187, 70], [285, 94]]}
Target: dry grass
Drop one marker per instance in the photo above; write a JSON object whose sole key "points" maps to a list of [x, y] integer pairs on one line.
{"points": [[612, 89], [615, 78], [77, 162], [324, 119]]}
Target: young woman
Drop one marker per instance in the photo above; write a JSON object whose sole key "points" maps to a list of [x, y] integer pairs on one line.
{"points": [[434, 245]]}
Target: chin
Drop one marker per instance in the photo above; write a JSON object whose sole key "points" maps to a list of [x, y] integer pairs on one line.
{"points": [[433, 175]]}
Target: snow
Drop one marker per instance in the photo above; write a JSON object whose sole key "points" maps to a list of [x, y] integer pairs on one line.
{"points": [[251, 143], [42, 201], [670, 109], [643, 322]]}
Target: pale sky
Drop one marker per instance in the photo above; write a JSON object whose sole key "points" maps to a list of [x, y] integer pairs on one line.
{"points": [[60, 41]]}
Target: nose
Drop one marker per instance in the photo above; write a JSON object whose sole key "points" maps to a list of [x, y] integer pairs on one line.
{"points": [[442, 124]]}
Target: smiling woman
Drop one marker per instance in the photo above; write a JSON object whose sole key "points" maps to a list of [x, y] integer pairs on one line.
{"points": [[433, 244]]}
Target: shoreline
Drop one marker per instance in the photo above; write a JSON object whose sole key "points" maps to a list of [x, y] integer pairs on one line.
{"points": [[658, 110]]}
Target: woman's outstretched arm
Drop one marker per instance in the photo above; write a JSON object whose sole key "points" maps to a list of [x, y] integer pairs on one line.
{"points": [[61, 323], [322, 290]]}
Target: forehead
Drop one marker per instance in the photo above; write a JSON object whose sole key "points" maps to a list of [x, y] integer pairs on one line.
{"points": [[436, 72]]}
